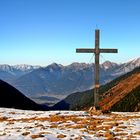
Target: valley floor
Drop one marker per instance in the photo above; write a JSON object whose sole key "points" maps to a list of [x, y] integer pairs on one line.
{"points": [[68, 125]]}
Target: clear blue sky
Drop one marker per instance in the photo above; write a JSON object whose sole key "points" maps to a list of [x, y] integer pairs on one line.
{"points": [[41, 32]]}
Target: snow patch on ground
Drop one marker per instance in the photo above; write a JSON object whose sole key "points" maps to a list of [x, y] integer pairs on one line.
{"points": [[67, 125]]}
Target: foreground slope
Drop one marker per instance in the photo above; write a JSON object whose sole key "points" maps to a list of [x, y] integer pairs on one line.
{"points": [[120, 89], [10, 97], [68, 125]]}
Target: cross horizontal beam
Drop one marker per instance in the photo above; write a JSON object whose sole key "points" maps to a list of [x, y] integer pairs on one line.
{"points": [[108, 50], [94, 50], [85, 50]]}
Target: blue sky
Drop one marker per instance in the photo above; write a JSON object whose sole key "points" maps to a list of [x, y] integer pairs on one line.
{"points": [[40, 32]]}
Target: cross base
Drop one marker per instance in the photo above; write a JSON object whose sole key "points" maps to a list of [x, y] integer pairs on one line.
{"points": [[94, 111]]}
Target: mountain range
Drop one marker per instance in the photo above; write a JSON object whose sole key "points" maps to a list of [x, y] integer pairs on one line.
{"points": [[55, 82]]}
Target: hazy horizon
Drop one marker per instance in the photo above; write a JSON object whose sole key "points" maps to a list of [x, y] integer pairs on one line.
{"points": [[101, 62]]}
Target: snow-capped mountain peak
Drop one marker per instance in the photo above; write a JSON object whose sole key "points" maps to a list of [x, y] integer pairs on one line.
{"points": [[5, 67], [25, 67], [136, 61], [108, 65], [78, 66], [54, 67]]}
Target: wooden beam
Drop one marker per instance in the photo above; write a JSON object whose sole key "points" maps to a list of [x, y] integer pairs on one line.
{"points": [[108, 50], [85, 50], [97, 67]]}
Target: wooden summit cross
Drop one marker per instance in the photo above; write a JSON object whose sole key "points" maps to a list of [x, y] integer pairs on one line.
{"points": [[97, 52]]}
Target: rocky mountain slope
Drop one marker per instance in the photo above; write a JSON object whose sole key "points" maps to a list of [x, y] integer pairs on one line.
{"points": [[121, 94], [10, 97]]}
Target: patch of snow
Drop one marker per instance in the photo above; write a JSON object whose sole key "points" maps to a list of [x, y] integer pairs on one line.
{"points": [[67, 125]]}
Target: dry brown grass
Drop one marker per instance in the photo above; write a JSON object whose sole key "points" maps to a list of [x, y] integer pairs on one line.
{"points": [[3, 134], [61, 136], [3, 119], [121, 134], [36, 136], [137, 133], [122, 126], [12, 113]]}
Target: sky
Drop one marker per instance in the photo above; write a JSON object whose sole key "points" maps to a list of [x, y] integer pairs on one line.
{"points": [[41, 32]]}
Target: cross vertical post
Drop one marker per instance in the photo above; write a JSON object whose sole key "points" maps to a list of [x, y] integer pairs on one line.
{"points": [[97, 52], [97, 67]]}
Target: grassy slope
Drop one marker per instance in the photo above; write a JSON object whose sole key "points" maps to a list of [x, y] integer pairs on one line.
{"points": [[129, 103]]}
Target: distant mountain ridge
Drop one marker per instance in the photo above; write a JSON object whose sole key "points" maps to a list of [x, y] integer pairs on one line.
{"points": [[9, 73], [21, 67], [59, 81]]}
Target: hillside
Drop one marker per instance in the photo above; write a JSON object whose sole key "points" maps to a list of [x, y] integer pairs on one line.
{"points": [[129, 103], [128, 86], [121, 89], [10, 97]]}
